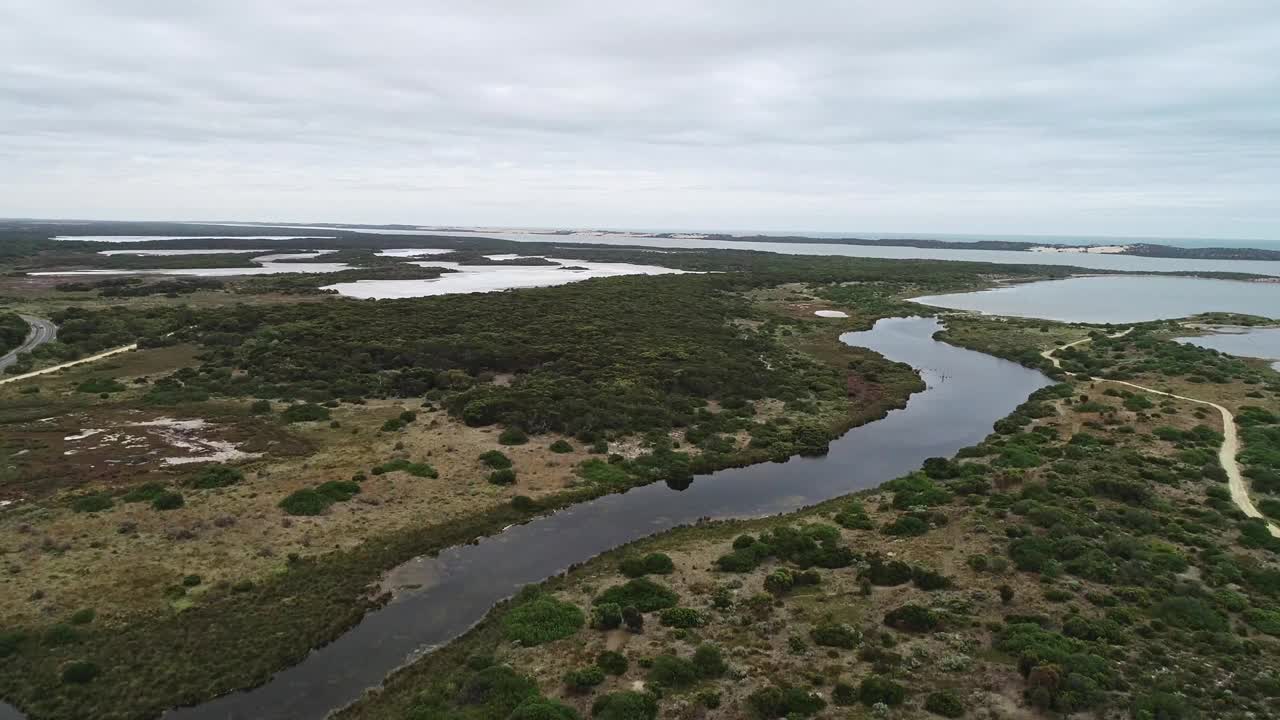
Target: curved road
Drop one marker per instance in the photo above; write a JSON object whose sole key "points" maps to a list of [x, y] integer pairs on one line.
{"points": [[42, 331], [1230, 439]]}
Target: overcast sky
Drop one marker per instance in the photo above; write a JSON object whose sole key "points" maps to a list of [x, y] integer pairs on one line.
{"points": [[1115, 117]]}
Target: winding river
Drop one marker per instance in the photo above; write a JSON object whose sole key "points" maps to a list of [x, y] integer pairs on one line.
{"points": [[966, 392]]}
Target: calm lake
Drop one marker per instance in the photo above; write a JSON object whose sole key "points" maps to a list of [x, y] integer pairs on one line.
{"points": [[1117, 299], [967, 392], [1126, 263], [1242, 341]]}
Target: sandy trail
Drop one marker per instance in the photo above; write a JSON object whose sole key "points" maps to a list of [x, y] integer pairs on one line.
{"points": [[73, 363], [1230, 439]]}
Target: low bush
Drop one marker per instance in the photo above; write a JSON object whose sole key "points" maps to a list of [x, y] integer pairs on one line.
{"points": [[945, 703], [912, 618], [79, 672], [216, 476], [583, 679], [91, 503], [614, 663], [506, 476], [305, 412], [542, 619], [561, 446], [775, 702], [651, 564], [145, 492], [513, 436], [168, 500], [626, 705], [339, 490], [671, 671], [876, 689], [835, 635], [606, 616], [495, 459], [678, 617], [709, 661], [306, 502], [642, 593]]}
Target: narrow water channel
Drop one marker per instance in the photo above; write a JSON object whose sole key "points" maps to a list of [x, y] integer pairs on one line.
{"points": [[966, 393]]}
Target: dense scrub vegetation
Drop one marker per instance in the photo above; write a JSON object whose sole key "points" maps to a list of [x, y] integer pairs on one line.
{"points": [[13, 330], [1096, 566]]}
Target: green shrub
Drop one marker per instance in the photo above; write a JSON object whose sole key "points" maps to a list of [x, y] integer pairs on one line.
{"points": [[339, 490], [542, 619], [1162, 706], [678, 617], [84, 616], [497, 690], [641, 593], [583, 679], [876, 689], [614, 663], [853, 516], [945, 703], [929, 580], [145, 492], [216, 476], [392, 425], [10, 643], [672, 671], [168, 500], [844, 694], [626, 705], [540, 708], [908, 525], [305, 412], [91, 503], [887, 574], [835, 635], [502, 477], [260, 407], [1190, 613], [306, 501], [775, 702], [561, 446], [912, 618], [495, 459], [606, 616], [779, 581], [60, 634], [513, 436], [79, 672], [709, 661], [651, 564]]}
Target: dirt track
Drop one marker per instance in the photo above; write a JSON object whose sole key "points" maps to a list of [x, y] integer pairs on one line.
{"points": [[1230, 439]]}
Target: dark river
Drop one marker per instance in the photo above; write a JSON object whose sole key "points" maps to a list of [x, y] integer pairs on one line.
{"points": [[966, 393]]}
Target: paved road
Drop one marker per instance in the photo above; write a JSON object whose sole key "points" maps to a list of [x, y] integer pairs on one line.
{"points": [[1226, 454], [42, 331]]}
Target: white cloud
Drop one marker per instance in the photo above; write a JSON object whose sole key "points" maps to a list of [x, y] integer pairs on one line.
{"points": [[1149, 118]]}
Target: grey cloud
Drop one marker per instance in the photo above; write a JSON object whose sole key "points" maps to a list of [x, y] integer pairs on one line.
{"points": [[1142, 117]]}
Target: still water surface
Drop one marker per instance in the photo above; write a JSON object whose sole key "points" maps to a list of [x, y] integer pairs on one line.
{"points": [[1117, 299], [1127, 263], [1242, 341], [967, 392]]}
